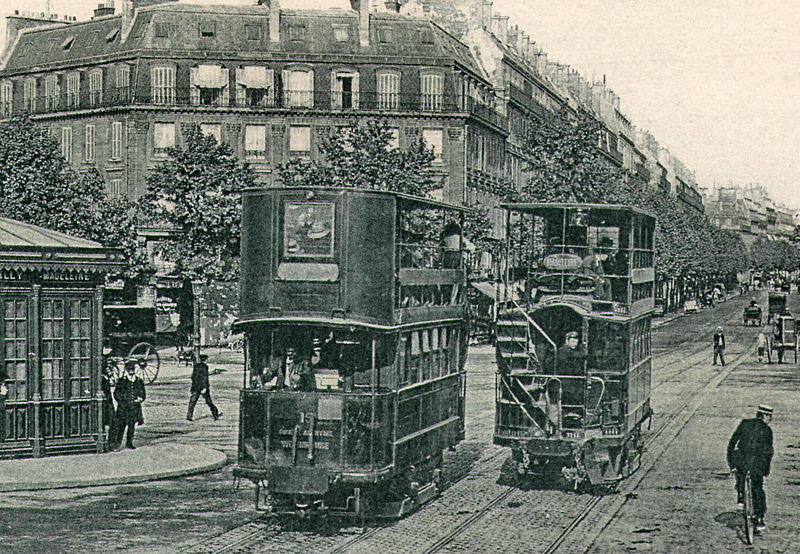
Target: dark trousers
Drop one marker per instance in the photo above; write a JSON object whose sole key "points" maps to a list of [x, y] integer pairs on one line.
{"points": [[125, 420], [193, 401], [718, 351], [759, 497]]}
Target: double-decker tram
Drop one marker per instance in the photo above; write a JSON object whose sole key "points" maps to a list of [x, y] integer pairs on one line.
{"points": [[573, 340], [354, 315]]}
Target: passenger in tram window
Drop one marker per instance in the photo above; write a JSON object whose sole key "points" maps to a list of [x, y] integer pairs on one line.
{"points": [[451, 246], [571, 357], [296, 370]]}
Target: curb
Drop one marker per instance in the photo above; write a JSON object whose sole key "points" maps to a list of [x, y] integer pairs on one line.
{"points": [[113, 468]]}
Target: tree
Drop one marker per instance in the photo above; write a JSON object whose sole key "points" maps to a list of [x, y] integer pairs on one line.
{"points": [[38, 186], [362, 157], [196, 191]]}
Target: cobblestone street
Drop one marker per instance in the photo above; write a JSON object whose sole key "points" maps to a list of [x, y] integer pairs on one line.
{"points": [[680, 501]]}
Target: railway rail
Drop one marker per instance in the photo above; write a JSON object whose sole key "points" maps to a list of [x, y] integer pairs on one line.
{"points": [[588, 515]]}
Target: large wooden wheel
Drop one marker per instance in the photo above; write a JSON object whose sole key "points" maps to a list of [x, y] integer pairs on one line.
{"points": [[147, 361]]}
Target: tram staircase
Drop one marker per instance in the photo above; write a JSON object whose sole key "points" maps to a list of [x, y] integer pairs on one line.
{"points": [[515, 356]]}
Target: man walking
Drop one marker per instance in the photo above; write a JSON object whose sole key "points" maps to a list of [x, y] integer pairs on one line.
{"points": [[200, 385], [719, 346], [129, 394], [750, 449]]}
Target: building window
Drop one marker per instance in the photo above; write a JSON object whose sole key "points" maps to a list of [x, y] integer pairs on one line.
{"points": [[385, 35], [433, 139], [212, 129], [73, 90], [388, 90], [394, 139], [123, 78], [431, 88], [252, 32], [115, 189], [340, 33], [29, 94], [162, 29], [51, 92], [298, 88], [116, 140], [66, 143], [112, 34], [67, 44], [89, 143], [96, 87], [299, 140], [297, 32], [209, 85], [344, 93], [15, 337], [6, 97], [254, 86], [208, 29], [163, 137], [163, 85], [255, 142]]}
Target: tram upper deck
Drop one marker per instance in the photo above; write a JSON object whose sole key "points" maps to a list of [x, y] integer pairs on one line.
{"points": [[600, 257], [349, 256]]}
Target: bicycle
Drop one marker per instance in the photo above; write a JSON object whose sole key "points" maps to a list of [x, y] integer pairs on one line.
{"points": [[748, 510]]}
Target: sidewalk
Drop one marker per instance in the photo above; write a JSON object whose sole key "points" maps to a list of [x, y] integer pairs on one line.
{"points": [[146, 463]]}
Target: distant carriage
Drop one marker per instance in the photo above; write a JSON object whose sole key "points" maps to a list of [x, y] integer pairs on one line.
{"points": [[783, 341], [586, 269], [752, 315], [354, 317], [129, 333]]}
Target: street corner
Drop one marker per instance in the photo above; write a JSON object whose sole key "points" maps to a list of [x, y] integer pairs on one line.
{"points": [[146, 463]]}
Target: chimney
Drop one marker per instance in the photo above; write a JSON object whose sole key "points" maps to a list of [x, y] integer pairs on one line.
{"points": [[274, 21], [362, 7], [500, 27], [486, 18], [104, 9], [393, 7], [127, 18], [524, 44]]}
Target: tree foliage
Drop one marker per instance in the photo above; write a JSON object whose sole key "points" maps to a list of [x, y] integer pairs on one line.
{"points": [[772, 255], [362, 157], [196, 191], [38, 186]]}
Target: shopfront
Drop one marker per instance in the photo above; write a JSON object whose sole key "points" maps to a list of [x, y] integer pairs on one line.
{"points": [[51, 297]]}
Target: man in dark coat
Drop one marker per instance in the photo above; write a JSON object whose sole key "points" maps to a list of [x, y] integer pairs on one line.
{"points": [[571, 360], [719, 346], [129, 394], [200, 385], [750, 449]]}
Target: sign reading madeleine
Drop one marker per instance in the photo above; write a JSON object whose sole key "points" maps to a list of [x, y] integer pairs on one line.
{"points": [[308, 229]]}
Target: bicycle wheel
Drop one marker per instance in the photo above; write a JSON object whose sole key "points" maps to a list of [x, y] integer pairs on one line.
{"points": [[749, 517]]}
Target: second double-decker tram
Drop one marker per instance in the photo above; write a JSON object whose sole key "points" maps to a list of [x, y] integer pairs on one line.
{"points": [[353, 311], [573, 340]]}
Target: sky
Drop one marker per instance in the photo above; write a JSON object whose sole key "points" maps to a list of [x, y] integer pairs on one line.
{"points": [[717, 82]]}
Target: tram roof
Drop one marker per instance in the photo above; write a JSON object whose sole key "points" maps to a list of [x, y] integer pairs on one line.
{"points": [[536, 206], [406, 199]]}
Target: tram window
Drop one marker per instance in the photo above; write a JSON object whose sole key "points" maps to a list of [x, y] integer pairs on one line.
{"points": [[606, 348]]}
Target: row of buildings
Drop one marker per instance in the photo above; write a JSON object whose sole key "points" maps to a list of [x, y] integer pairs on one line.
{"points": [[749, 211]]}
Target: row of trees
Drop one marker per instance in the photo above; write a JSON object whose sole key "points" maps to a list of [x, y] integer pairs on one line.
{"points": [[196, 191]]}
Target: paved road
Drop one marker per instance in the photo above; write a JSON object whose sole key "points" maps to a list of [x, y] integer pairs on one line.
{"points": [[678, 503]]}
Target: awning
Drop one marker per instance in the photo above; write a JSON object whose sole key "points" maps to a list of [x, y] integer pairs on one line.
{"points": [[252, 76], [497, 291], [210, 76]]}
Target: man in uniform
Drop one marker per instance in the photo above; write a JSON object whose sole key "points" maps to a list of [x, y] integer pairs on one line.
{"points": [[570, 357], [201, 385], [129, 394], [750, 449]]}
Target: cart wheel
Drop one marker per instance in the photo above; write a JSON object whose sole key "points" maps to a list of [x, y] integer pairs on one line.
{"points": [[146, 357]]}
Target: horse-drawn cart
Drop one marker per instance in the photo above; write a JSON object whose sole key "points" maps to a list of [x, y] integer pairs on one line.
{"points": [[784, 339], [776, 305], [752, 315], [129, 333]]}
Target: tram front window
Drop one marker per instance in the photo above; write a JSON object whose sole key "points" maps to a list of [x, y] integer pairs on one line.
{"points": [[315, 359]]}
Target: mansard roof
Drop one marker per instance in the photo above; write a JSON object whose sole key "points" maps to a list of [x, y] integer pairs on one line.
{"points": [[408, 40]]}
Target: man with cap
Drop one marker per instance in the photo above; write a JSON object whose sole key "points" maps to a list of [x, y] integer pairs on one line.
{"points": [[570, 357], [201, 385], [129, 394], [750, 449]]}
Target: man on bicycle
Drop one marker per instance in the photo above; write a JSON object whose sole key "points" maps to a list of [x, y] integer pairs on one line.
{"points": [[750, 449]]}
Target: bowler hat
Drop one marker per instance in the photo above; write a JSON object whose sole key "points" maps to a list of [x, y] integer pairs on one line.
{"points": [[764, 409]]}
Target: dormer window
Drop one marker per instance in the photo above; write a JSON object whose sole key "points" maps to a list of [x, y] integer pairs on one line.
{"points": [[67, 44], [340, 33], [112, 34], [252, 32], [162, 29], [297, 32], [254, 86], [385, 35], [209, 85], [208, 29]]}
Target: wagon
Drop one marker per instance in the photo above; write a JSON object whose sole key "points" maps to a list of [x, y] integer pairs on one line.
{"points": [[752, 315], [776, 305], [784, 339], [129, 333]]}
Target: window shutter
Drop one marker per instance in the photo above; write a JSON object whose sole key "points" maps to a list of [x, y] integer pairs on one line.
{"points": [[286, 75], [194, 90], [226, 87], [240, 89]]}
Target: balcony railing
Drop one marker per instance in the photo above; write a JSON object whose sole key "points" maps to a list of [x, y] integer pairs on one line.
{"points": [[520, 97], [258, 100]]}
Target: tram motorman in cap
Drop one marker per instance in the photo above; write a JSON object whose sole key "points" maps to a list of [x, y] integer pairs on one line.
{"points": [[571, 356], [750, 448]]}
